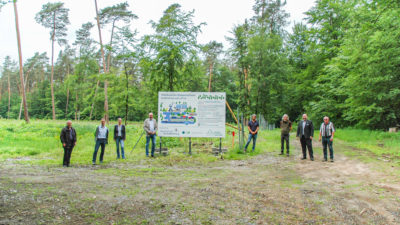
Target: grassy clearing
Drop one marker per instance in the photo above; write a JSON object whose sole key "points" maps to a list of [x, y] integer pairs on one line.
{"points": [[39, 143], [377, 142]]}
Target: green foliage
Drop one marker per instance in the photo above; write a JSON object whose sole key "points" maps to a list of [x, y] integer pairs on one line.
{"points": [[343, 62]]}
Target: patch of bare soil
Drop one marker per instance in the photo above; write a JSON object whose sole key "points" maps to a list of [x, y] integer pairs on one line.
{"points": [[267, 189]]}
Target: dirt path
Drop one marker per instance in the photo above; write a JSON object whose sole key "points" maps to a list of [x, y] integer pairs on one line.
{"points": [[267, 189]]}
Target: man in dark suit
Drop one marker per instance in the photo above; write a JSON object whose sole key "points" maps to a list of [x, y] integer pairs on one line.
{"points": [[119, 137], [305, 132], [68, 140]]}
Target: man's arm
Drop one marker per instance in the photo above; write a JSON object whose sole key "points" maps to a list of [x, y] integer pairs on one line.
{"points": [[333, 131], [62, 137], [123, 130], [115, 132], [145, 128], [248, 127]]}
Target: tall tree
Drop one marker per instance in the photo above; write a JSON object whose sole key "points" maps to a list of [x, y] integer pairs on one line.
{"points": [[239, 53], [55, 17], [175, 42], [211, 51], [104, 63], [112, 15], [21, 69]]}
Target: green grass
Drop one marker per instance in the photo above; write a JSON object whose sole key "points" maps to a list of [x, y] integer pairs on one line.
{"points": [[38, 143], [377, 142]]}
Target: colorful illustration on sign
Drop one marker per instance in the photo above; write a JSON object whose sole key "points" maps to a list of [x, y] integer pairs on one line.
{"points": [[178, 113]]}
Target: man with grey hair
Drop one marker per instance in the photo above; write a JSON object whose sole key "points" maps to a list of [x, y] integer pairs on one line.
{"points": [[253, 128], [150, 127], [286, 127], [326, 132], [68, 140]]}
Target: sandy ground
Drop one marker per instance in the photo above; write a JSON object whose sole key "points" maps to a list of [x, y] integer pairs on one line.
{"points": [[266, 189]]}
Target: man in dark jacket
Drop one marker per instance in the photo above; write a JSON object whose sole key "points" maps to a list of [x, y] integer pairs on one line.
{"points": [[119, 137], [68, 140], [286, 127], [305, 131], [101, 139]]}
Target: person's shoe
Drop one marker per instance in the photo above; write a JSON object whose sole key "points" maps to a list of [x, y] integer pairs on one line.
{"points": [[303, 158], [332, 160], [312, 159], [64, 165], [287, 154], [324, 160], [281, 153], [117, 157], [245, 150], [101, 162], [93, 163], [123, 157], [152, 156]]}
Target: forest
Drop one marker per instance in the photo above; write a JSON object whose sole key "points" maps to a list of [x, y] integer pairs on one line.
{"points": [[342, 61]]}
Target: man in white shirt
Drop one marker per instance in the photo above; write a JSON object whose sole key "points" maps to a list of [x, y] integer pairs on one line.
{"points": [[150, 127], [326, 133], [101, 139]]}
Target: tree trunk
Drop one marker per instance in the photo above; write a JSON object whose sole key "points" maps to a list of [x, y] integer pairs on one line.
{"points": [[127, 96], [109, 53], [22, 96], [52, 67], [21, 71], [66, 105], [209, 82], [76, 107], [94, 97], [9, 97], [104, 65]]}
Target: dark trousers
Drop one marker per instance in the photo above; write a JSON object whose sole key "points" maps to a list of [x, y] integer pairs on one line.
{"points": [[151, 137], [306, 143], [326, 142], [102, 143], [67, 155], [285, 138]]}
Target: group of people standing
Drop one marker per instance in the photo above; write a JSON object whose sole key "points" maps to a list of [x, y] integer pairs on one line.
{"points": [[68, 139], [305, 132]]}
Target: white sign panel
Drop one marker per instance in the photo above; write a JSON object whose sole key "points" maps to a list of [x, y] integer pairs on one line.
{"points": [[191, 114]]}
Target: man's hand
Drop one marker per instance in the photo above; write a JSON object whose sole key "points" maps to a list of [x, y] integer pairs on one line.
{"points": [[319, 139], [331, 139], [311, 137], [63, 144], [74, 143]]}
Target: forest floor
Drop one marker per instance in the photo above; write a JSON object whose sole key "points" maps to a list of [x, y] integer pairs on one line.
{"points": [[264, 189]]}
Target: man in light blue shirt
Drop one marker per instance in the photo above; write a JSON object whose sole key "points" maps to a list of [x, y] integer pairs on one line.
{"points": [[101, 139]]}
